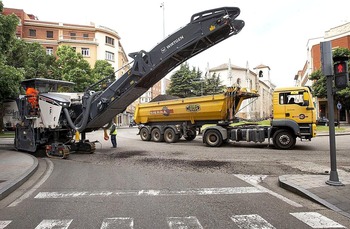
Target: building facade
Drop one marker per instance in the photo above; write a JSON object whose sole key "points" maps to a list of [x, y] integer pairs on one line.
{"points": [[257, 80], [340, 38], [93, 42]]}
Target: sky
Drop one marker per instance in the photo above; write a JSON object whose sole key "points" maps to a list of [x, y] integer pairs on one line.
{"points": [[276, 32]]}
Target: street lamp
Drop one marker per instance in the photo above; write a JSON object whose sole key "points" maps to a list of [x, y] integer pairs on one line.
{"points": [[162, 82]]}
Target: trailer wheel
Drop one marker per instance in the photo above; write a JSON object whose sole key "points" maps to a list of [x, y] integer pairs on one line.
{"points": [[212, 138], [144, 134], [170, 136], [157, 136], [284, 139]]}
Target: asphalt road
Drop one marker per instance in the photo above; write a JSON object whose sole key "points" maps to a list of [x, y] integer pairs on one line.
{"points": [[182, 185]]}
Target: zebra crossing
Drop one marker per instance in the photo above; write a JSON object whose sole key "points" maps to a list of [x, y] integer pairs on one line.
{"points": [[251, 221]]}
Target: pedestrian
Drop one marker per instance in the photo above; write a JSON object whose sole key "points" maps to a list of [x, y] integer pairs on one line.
{"points": [[113, 133]]}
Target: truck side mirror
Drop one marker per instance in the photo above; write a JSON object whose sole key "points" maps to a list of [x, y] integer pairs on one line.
{"points": [[306, 98]]}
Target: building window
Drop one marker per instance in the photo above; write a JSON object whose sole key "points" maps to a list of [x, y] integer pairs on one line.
{"points": [[109, 56], [85, 52], [49, 34], [73, 36], [109, 40], [49, 51], [86, 36], [32, 32]]}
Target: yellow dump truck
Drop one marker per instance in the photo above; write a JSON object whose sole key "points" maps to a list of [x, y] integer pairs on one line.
{"points": [[172, 119]]}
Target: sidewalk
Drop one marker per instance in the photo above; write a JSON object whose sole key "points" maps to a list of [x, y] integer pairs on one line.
{"points": [[15, 169]]}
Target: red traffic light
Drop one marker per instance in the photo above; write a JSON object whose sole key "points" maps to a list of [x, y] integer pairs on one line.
{"points": [[340, 67]]}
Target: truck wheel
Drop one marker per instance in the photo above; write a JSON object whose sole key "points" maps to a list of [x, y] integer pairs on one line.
{"points": [[145, 135], [212, 138], [284, 139], [156, 135], [191, 134], [170, 136]]}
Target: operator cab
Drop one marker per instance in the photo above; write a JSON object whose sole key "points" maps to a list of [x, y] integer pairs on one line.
{"points": [[28, 104]]}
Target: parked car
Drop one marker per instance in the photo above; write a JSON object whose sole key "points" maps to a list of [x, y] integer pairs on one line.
{"points": [[325, 122]]}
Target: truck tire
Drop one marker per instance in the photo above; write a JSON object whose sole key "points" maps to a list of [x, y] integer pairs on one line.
{"points": [[212, 138], [157, 136], [170, 136], [284, 139], [145, 134]]}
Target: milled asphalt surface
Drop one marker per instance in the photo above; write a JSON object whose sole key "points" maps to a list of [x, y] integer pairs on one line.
{"points": [[17, 167]]}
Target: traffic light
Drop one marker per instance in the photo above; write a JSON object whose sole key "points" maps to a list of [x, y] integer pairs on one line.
{"points": [[341, 74]]}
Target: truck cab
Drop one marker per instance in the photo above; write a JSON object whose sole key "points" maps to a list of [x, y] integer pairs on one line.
{"points": [[294, 113]]}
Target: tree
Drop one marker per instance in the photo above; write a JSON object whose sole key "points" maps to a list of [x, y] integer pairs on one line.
{"points": [[74, 68], [319, 85], [182, 82], [213, 84], [10, 77], [103, 69]]}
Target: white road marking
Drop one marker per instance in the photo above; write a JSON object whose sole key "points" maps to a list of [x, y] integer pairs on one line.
{"points": [[120, 223], [35, 187], [196, 191], [256, 179], [4, 223], [316, 220], [189, 222], [251, 222], [54, 223]]}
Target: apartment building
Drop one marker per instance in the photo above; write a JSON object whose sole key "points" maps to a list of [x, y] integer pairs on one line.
{"points": [[257, 80], [92, 41], [339, 37]]}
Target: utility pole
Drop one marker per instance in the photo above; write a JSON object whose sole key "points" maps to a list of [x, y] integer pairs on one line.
{"points": [[162, 82]]}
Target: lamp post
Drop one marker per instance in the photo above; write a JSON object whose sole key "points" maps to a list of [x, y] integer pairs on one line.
{"points": [[162, 82]]}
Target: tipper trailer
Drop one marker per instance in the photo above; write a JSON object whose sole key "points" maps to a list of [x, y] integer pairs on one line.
{"points": [[170, 120]]}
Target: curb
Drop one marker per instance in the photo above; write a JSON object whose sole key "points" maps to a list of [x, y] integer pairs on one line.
{"points": [[12, 185], [283, 183]]}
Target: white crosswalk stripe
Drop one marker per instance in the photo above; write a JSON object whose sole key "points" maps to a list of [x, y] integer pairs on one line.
{"points": [[54, 223], [251, 222], [120, 223], [189, 222], [316, 220], [4, 223]]}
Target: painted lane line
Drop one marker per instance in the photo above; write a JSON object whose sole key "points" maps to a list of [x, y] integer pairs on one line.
{"points": [[251, 221], [256, 179], [190, 222], [186, 192], [120, 223], [316, 220], [35, 187], [4, 223], [54, 223]]}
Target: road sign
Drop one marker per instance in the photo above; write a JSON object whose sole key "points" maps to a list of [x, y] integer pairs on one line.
{"points": [[339, 106]]}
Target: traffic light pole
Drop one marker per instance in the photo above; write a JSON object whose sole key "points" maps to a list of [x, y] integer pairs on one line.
{"points": [[327, 68]]}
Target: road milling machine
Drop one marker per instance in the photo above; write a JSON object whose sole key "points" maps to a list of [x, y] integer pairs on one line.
{"points": [[52, 119]]}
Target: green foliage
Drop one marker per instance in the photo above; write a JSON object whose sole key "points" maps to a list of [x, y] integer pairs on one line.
{"points": [[320, 82], [103, 69], [71, 66], [182, 82], [213, 85], [9, 82], [186, 83]]}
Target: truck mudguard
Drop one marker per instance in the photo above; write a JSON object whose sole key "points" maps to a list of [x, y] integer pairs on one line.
{"points": [[287, 123], [222, 131]]}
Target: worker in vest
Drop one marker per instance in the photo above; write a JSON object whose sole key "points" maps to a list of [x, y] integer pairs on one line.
{"points": [[113, 133]]}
